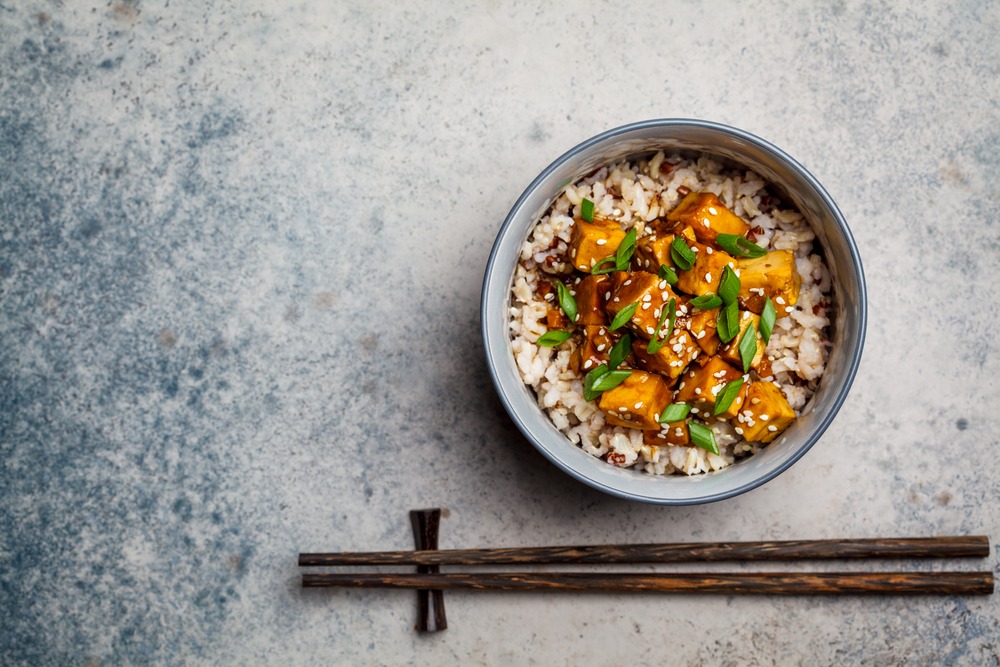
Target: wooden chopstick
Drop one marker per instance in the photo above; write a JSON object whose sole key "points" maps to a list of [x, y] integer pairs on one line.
{"points": [[769, 583], [913, 547]]}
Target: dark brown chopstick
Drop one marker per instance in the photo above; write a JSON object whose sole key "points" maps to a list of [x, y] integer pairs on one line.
{"points": [[914, 547], [770, 583]]}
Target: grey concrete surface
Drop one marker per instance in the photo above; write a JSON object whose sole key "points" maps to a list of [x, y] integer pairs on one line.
{"points": [[241, 247]]}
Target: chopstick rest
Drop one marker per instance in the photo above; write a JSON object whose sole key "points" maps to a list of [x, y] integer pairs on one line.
{"points": [[430, 603]]}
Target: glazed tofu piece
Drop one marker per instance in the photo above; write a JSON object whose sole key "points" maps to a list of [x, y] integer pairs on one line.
{"points": [[636, 402], [703, 325], [594, 351], [773, 275], [672, 358], [674, 433], [765, 414], [701, 384], [593, 241], [651, 293], [731, 350], [590, 294], [653, 250], [704, 276], [707, 216]]}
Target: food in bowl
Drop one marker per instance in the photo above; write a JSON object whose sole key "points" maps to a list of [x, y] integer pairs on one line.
{"points": [[670, 313]]}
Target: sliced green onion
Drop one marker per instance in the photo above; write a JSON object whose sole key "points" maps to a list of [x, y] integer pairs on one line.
{"points": [[729, 322], [682, 254], [623, 316], [706, 301], [625, 250], [620, 350], [748, 346], [702, 436], [657, 342], [738, 246], [727, 396], [666, 273], [587, 210], [674, 412], [588, 382], [597, 269], [566, 301], [729, 286], [767, 318], [610, 380], [553, 338]]}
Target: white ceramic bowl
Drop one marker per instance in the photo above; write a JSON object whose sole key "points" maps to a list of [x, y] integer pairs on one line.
{"points": [[793, 182]]}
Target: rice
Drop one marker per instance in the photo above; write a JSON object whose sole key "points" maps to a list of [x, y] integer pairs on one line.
{"points": [[636, 193]]}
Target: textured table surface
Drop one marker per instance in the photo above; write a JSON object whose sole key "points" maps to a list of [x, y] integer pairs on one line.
{"points": [[241, 250]]}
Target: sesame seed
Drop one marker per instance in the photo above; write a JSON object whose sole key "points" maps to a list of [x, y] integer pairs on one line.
{"points": [[750, 422], [772, 428], [674, 364], [656, 313], [738, 430], [697, 390], [588, 363], [684, 309], [637, 405], [646, 306], [754, 401], [780, 301], [600, 348], [711, 209], [679, 432], [708, 277], [664, 296], [709, 250], [646, 264], [764, 418], [662, 285], [622, 409], [601, 331], [694, 249], [647, 298], [656, 416], [616, 299], [705, 222], [701, 334], [662, 436], [695, 411], [737, 272], [682, 386], [677, 348], [740, 418], [607, 295], [627, 282], [716, 389], [649, 330], [731, 265]]}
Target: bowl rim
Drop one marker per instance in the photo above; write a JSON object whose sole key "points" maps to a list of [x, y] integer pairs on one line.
{"points": [[852, 365]]}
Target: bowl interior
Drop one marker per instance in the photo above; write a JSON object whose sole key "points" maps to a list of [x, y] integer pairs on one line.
{"points": [[799, 187]]}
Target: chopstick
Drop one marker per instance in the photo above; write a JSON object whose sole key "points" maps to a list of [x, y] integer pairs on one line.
{"points": [[913, 547], [770, 583]]}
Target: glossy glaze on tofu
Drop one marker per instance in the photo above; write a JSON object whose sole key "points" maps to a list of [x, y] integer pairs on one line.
{"points": [[638, 356]]}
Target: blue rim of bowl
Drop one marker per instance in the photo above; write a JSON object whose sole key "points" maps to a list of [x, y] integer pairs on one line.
{"points": [[854, 362]]}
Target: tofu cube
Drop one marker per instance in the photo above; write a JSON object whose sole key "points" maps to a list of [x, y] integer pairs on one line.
{"points": [[706, 273], [731, 350], [773, 275], [636, 402], [590, 293], [591, 242], [653, 250], [672, 358], [594, 351], [555, 318], [701, 384], [704, 325], [651, 293], [707, 216], [765, 414], [674, 433]]}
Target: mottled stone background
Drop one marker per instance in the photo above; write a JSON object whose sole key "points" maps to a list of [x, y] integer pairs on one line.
{"points": [[241, 248]]}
